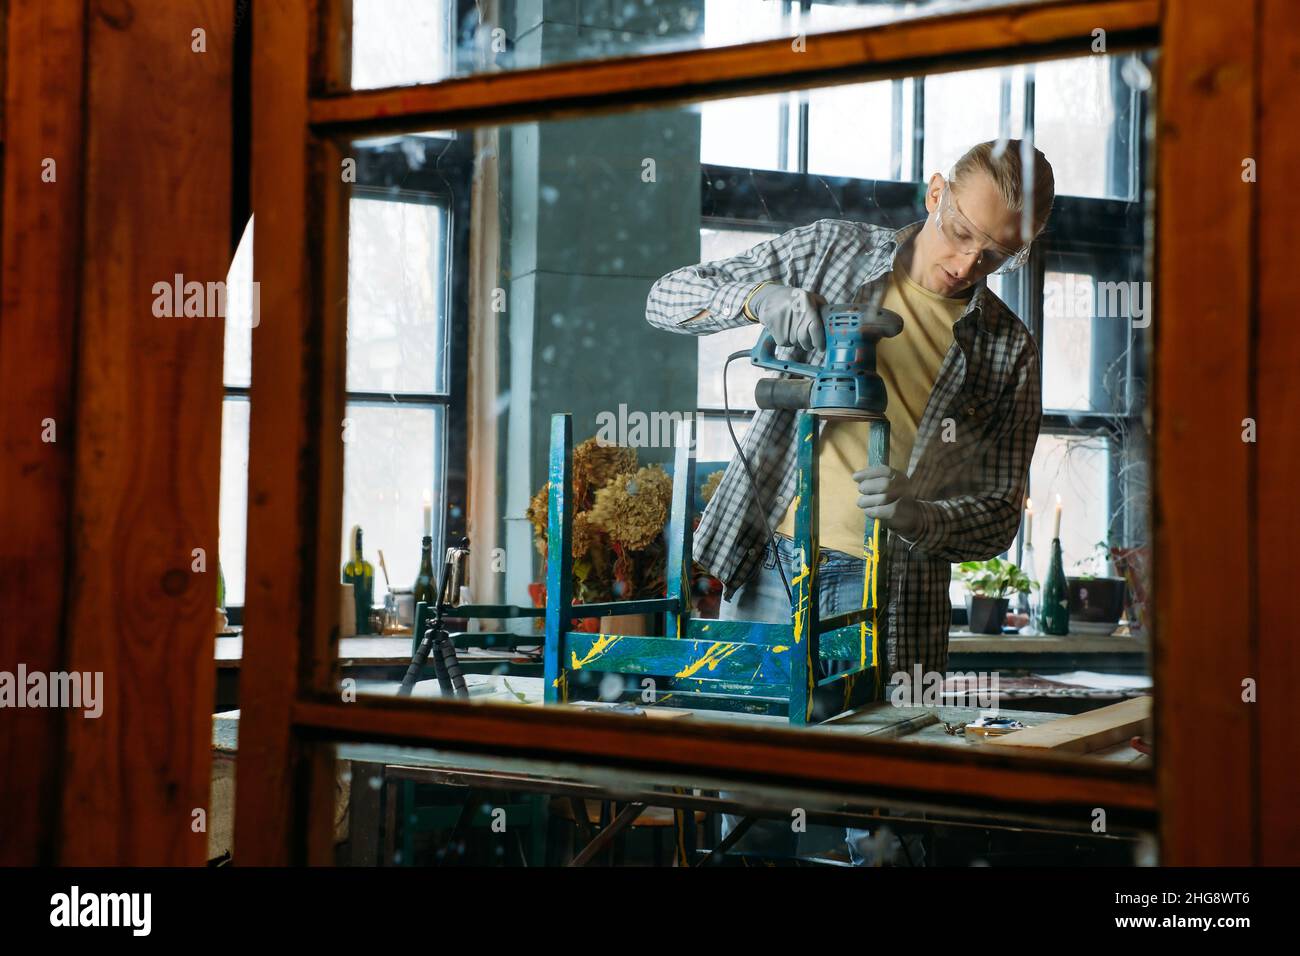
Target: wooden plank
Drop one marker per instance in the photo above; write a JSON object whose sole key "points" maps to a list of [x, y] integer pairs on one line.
{"points": [[1086, 732], [1201, 358], [41, 243], [288, 600], [1277, 453], [663, 749], [954, 41], [148, 419]]}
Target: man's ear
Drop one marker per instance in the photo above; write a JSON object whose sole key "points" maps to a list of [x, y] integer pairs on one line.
{"points": [[932, 192]]}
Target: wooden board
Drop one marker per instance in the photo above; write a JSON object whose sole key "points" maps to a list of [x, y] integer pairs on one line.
{"points": [[1201, 393], [1277, 351], [43, 85], [148, 432], [1084, 733]]}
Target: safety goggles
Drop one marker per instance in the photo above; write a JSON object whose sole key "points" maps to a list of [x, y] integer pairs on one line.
{"points": [[965, 237]]}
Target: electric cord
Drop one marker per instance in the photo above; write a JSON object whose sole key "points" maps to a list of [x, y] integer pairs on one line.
{"points": [[753, 485]]}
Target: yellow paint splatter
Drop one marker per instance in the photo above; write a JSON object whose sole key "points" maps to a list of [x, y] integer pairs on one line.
{"points": [[603, 643], [562, 682], [715, 655], [801, 608], [780, 648]]}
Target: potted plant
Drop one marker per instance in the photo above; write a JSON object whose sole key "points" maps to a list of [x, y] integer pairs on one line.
{"points": [[989, 584]]}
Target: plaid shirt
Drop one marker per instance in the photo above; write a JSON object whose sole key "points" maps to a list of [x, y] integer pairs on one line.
{"points": [[970, 461]]}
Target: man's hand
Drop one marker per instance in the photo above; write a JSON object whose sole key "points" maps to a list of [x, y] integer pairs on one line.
{"points": [[793, 316], [886, 493]]}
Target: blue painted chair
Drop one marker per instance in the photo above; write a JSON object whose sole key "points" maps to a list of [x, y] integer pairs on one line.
{"points": [[775, 669]]}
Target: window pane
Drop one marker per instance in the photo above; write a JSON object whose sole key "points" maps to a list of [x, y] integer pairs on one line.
{"points": [[962, 109], [401, 42], [851, 131], [392, 463], [397, 309], [1068, 308], [1091, 351], [241, 300], [1077, 469], [1073, 117], [747, 132], [234, 497], [398, 42], [600, 266]]}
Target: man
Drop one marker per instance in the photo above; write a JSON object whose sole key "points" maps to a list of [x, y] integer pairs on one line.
{"points": [[964, 399]]}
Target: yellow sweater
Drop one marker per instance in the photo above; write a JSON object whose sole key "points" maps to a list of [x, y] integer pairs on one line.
{"points": [[909, 363]]}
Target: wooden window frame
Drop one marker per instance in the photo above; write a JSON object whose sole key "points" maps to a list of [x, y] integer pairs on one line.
{"points": [[1214, 755]]}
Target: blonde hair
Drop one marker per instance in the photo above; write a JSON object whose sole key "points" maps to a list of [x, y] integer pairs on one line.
{"points": [[1007, 172]]}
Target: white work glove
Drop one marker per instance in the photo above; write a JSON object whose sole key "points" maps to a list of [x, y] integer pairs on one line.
{"points": [[793, 316]]}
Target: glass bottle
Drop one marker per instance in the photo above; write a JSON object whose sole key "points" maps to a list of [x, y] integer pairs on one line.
{"points": [[360, 573], [1055, 617], [424, 580]]}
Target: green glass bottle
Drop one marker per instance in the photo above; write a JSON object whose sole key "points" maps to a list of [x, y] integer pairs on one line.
{"points": [[360, 573], [221, 588], [1056, 596], [424, 580]]}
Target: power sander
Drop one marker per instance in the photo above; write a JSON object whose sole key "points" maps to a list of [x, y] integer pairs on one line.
{"points": [[846, 384]]}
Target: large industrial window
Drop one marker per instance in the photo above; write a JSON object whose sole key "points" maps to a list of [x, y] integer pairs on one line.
{"points": [[774, 163], [405, 362]]}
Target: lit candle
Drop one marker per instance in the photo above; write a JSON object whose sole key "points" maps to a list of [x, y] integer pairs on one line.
{"points": [[1029, 521], [428, 515], [1057, 532]]}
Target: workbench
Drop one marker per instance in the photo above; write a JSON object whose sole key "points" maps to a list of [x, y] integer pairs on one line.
{"points": [[375, 768]]}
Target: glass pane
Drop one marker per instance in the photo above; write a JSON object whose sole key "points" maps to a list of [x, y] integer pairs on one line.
{"points": [[869, 147], [403, 42], [397, 291], [400, 42], [242, 299], [1074, 118], [1068, 309], [234, 497], [1077, 470], [962, 109], [604, 274], [392, 465], [753, 132]]}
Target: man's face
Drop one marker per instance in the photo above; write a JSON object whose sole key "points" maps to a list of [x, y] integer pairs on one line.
{"points": [[945, 267]]}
